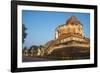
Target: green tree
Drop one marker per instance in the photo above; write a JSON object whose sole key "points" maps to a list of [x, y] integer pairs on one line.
{"points": [[24, 34]]}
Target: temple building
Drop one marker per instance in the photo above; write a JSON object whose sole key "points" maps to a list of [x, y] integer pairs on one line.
{"points": [[69, 41]]}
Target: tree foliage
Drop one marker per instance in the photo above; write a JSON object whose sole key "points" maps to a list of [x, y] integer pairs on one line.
{"points": [[24, 34]]}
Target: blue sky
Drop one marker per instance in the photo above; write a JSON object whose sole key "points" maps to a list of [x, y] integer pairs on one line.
{"points": [[41, 24]]}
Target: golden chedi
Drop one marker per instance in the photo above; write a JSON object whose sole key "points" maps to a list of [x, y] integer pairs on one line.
{"points": [[70, 41]]}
